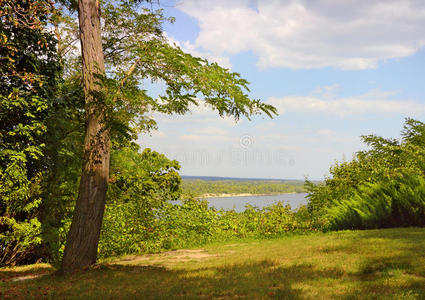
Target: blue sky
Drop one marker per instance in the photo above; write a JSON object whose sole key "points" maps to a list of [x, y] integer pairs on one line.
{"points": [[335, 71]]}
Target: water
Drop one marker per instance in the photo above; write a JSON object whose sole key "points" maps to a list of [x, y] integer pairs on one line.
{"points": [[238, 203]]}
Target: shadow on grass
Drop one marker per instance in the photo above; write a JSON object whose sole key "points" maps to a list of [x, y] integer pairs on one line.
{"points": [[264, 279], [251, 280], [413, 236], [392, 277], [36, 270], [396, 275]]}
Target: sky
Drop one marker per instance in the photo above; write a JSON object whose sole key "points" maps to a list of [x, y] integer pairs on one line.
{"points": [[335, 70]]}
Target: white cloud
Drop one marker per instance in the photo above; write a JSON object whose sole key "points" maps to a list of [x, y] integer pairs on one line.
{"points": [[160, 134], [207, 134], [188, 47], [309, 34], [191, 137], [376, 102], [201, 114], [325, 132]]}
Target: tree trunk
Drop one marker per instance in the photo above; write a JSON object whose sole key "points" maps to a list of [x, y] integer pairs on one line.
{"points": [[83, 237]]}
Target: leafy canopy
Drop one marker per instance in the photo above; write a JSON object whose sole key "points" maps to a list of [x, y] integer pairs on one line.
{"points": [[28, 78], [136, 50]]}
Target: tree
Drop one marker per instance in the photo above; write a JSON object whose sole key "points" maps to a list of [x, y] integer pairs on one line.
{"points": [[83, 237], [29, 71], [133, 48], [141, 184]]}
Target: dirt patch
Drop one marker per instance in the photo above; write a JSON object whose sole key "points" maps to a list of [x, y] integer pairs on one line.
{"points": [[235, 245], [27, 277], [165, 257], [182, 255]]}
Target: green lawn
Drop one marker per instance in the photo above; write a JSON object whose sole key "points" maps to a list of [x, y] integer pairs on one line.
{"points": [[373, 264]]}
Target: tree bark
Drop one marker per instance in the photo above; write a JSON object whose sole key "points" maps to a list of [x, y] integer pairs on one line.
{"points": [[83, 237]]}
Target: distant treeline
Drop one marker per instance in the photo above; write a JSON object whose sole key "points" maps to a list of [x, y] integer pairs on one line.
{"points": [[199, 187]]}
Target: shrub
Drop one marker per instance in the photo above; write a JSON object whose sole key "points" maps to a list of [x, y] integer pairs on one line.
{"points": [[397, 203], [192, 223]]}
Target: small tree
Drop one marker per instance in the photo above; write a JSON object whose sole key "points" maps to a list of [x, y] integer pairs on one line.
{"points": [[132, 47]]}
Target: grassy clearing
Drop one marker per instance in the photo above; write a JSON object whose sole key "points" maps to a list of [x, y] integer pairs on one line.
{"points": [[373, 264]]}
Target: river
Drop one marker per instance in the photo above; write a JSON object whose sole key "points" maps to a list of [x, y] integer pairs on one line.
{"points": [[238, 203]]}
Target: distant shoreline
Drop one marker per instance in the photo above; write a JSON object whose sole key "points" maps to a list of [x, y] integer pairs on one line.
{"points": [[243, 195]]}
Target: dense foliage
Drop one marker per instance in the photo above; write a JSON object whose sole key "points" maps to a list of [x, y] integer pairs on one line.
{"points": [[43, 120], [380, 187], [122, 47], [141, 215], [265, 187], [141, 184], [28, 78], [129, 229]]}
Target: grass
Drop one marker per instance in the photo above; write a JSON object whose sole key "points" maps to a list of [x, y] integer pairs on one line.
{"points": [[372, 264]]}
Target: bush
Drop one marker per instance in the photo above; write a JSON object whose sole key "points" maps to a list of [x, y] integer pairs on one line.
{"points": [[397, 203], [192, 223], [381, 187]]}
